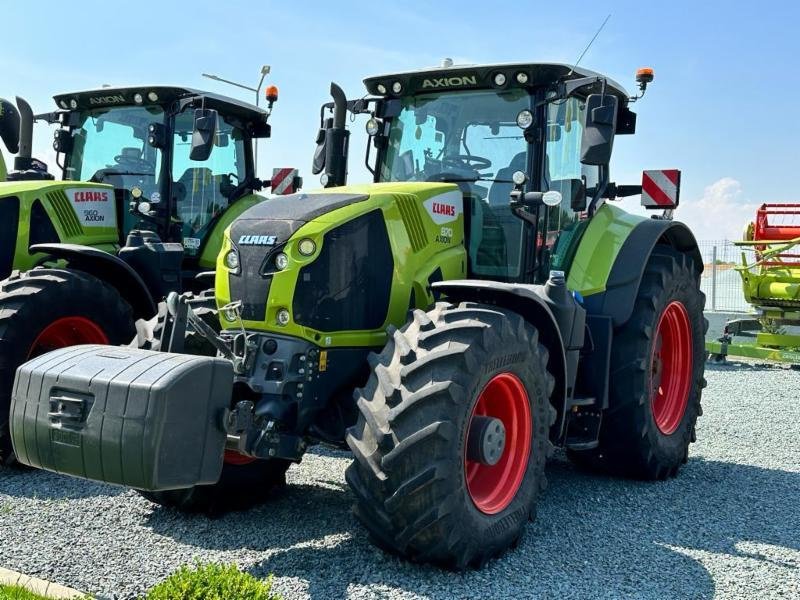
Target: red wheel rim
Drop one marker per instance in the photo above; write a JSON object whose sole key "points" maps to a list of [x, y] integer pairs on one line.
{"points": [[671, 368], [492, 488], [67, 331], [235, 458]]}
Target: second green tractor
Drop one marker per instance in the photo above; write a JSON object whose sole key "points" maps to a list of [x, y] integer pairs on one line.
{"points": [[478, 305]]}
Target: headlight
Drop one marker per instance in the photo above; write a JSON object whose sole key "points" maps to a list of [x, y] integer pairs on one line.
{"points": [[283, 317], [519, 177], [281, 261], [381, 88], [524, 119], [73, 104], [397, 87], [499, 79], [522, 78], [138, 98], [232, 260], [152, 96], [306, 247]]}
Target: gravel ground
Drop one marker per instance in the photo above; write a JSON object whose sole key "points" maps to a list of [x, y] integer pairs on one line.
{"points": [[727, 527]]}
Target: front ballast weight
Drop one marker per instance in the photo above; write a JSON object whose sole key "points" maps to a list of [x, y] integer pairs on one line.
{"points": [[119, 415]]}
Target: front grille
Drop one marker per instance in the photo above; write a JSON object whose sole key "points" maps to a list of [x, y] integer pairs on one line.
{"points": [[348, 286], [409, 212], [251, 286], [64, 213]]}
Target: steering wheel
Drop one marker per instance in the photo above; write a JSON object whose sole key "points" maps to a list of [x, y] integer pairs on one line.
{"points": [[132, 163], [466, 161]]}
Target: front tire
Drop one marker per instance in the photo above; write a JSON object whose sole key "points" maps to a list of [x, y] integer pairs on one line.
{"points": [[657, 368], [243, 484], [420, 490], [46, 309]]}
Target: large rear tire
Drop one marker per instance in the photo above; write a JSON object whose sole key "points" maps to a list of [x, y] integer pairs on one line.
{"points": [[46, 309], [420, 491], [657, 368]]}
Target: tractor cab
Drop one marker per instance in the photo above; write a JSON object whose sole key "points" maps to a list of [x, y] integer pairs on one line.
{"points": [[177, 158], [540, 132]]}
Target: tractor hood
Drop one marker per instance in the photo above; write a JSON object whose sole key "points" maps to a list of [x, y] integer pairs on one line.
{"points": [[328, 258]]}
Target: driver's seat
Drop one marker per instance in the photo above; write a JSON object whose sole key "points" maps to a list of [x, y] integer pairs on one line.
{"points": [[500, 191]]}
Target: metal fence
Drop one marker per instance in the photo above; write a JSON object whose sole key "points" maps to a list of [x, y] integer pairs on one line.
{"points": [[721, 283]]}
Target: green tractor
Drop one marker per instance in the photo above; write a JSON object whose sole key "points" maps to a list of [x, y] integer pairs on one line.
{"points": [[152, 177], [477, 306]]}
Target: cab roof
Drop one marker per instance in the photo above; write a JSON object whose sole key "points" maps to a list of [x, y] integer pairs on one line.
{"points": [[125, 96], [463, 77]]}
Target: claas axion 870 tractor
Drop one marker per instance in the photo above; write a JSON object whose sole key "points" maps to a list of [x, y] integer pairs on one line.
{"points": [[152, 176], [479, 304]]}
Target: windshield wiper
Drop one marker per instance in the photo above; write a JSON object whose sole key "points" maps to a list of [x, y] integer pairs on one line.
{"points": [[455, 179]]}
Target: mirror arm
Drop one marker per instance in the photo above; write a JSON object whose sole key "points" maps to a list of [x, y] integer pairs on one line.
{"points": [[600, 190]]}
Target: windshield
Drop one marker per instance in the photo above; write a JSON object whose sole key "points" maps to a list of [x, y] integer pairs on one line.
{"points": [[469, 137], [110, 147], [457, 136]]}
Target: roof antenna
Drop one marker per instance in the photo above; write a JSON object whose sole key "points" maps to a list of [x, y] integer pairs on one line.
{"points": [[589, 45]]}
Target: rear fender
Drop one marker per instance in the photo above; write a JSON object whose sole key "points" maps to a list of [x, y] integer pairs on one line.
{"points": [[626, 273], [526, 300], [108, 268]]}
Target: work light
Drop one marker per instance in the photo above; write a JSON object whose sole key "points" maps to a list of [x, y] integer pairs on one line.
{"points": [[524, 119]]}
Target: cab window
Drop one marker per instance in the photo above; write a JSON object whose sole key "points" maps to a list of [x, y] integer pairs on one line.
{"points": [[203, 189]]}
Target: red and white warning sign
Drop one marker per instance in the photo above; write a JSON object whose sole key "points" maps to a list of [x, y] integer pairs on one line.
{"points": [[661, 188], [284, 181]]}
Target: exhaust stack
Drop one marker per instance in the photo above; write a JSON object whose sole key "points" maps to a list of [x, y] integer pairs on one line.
{"points": [[337, 140], [23, 161]]}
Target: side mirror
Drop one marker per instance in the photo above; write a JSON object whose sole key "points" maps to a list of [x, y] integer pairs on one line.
{"points": [[204, 133], [9, 126], [318, 164], [572, 189], [598, 134]]}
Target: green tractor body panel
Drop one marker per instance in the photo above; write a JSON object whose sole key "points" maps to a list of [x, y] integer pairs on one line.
{"points": [[418, 231], [598, 249], [3, 170], [70, 212], [210, 251]]}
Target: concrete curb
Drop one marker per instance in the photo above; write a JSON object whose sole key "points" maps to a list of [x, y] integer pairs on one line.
{"points": [[39, 586]]}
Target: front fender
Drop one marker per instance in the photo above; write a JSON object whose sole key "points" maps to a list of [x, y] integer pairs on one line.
{"points": [[108, 268]]}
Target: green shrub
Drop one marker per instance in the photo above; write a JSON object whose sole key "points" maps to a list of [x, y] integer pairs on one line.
{"points": [[212, 582], [14, 592]]}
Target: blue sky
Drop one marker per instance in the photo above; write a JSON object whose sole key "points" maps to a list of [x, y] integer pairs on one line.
{"points": [[723, 107]]}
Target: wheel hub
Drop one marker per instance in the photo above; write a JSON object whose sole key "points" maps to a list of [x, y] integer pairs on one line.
{"points": [[671, 368], [498, 443], [487, 440]]}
